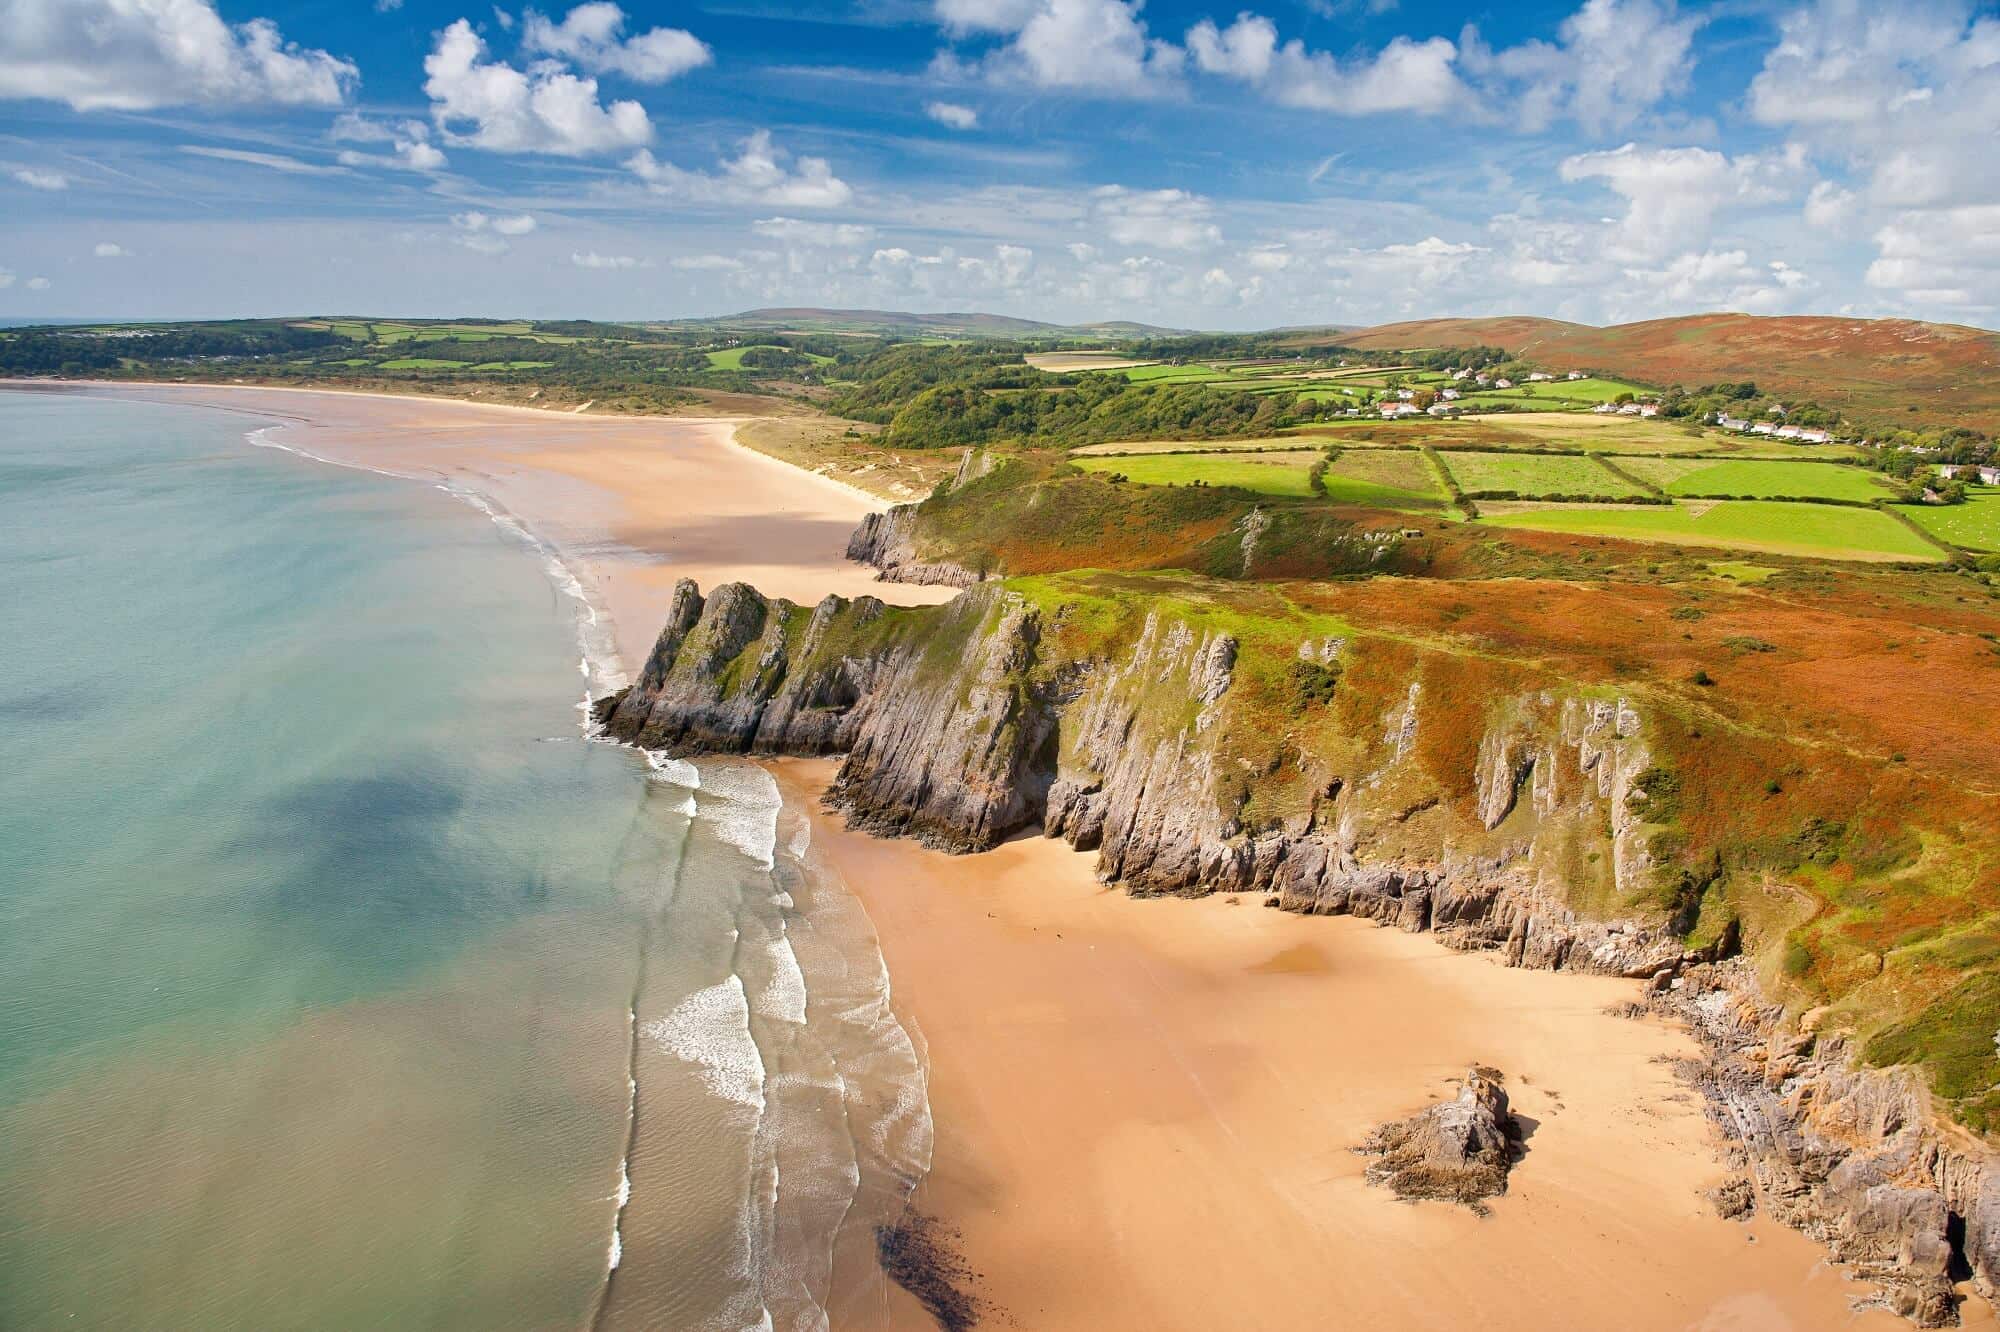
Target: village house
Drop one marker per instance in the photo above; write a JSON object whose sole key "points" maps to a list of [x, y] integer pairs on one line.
{"points": [[1457, 375], [1441, 409], [1576, 374], [1539, 378], [1728, 422], [1392, 410], [1605, 408], [1406, 394], [1763, 428], [1649, 409], [1503, 383], [1807, 436], [1447, 394]]}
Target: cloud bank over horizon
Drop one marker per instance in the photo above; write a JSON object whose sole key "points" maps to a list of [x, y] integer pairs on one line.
{"points": [[1069, 160]]}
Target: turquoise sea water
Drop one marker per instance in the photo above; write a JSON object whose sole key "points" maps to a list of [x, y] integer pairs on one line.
{"points": [[345, 982]]}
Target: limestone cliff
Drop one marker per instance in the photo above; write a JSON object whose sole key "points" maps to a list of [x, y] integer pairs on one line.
{"points": [[1208, 740]]}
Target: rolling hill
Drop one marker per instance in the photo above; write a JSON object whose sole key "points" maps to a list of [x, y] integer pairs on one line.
{"points": [[901, 323], [1878, 371]]}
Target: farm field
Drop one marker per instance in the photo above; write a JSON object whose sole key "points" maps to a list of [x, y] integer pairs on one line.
{"points": [[1137, 446], [1822, 530], [1758, 480], [1386, 478], [1067, 361], [1533, 474], [1974, 524], [1267, 474]]}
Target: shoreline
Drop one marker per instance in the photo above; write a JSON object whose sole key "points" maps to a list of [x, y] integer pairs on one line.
{"points": [[1144, 1119], [628, 504]]}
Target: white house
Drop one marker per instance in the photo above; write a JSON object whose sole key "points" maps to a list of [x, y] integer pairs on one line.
{"points": [[1629, 409], [1813, 436], [1503, 383], [1392, 410], [1649, 409], [1406, 394], [1539, 378], [1604, 409], [1439, 409], [1576, 374], [1788, 432], [1448, 394], [1989, 476], [1457, 375], [1763, 428], [1728, 422]]}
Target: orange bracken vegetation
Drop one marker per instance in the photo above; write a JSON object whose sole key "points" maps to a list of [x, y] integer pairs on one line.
{"points": [[1875, 370]]}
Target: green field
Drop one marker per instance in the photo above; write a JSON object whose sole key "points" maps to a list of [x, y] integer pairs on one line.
{"points": [[1823, 530], [1385, 478], [420, 363], [1532, 474], [1266, 473], [1974, 524], [1758, 480]]}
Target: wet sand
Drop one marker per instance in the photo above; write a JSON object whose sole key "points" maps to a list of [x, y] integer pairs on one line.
{"points": [[1145, 1110]]}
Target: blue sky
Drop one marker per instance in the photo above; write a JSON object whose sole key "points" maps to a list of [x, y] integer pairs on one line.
{"points": [[1232, 166]]}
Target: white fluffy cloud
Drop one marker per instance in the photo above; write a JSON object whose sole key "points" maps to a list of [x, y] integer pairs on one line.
{"points": [[37, 179], [1897, 97], [133, 55], [1946, 256], [484, 233], [952, 115], [1154, 219], [1673, 194], [592, 259], [545, 109], [1099, 47], [110, 250], [591, 37], [410, 146], [1612, 60], [761, 173], [1405, 75]]}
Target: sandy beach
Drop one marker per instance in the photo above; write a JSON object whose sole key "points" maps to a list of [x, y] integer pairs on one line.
{"points": [[1145, 1110]]}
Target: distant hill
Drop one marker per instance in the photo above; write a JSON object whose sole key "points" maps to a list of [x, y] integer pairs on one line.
{"points": [[901, 323], [1878, 371]]}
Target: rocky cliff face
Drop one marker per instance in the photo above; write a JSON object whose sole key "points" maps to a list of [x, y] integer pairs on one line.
{"points": [[1198, 750], [887, 542]]}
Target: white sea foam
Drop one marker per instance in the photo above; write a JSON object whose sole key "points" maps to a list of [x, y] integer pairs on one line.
{"points": [[710, 1029], [742, 801], [801, 840], [783, 996], [667, 769]]}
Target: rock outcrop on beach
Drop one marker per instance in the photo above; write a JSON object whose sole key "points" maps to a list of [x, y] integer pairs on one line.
{"points": [[1199, 748], [1458, 1150], [1853, 1157]]}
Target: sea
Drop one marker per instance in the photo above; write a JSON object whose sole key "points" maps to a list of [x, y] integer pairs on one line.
{"points": [[346, 980]]}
